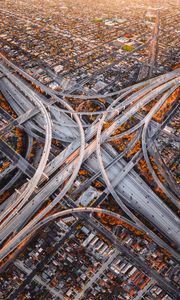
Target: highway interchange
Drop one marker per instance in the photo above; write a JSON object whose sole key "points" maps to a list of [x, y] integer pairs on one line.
{"points": [[41, 118]]}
